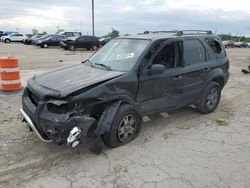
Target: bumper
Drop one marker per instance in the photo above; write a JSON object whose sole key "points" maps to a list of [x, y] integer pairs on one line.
{"points": [[50, 126], [32, 126]]}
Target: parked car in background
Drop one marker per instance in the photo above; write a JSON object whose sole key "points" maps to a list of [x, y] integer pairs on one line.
{"points": [[29, 35], [1, 33], [44, 37], [88, 42], [69, 34], [14, 37], [229, 44], [51, 41], [241, 45], [104, 41], [31, 39], [5, 33]]}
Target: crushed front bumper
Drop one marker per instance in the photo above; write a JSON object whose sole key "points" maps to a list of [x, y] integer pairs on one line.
{"points": [[59, 131], [32, 126]]}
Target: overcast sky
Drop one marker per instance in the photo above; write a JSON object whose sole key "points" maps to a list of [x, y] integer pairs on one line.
{"points": [[127, 16]]}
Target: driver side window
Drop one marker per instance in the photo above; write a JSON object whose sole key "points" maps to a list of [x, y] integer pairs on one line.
{"points": [[169, 55]]}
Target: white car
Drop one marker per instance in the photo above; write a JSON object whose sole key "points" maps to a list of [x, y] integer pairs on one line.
{"points": [[14, 37]]}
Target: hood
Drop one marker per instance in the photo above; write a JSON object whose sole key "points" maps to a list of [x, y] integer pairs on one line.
{"points": [[64, 81]]}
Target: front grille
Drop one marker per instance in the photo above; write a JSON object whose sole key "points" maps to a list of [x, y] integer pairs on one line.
{"points": [[34, 98]]}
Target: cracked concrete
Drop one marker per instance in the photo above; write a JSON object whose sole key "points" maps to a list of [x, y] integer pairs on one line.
{"points": [[179, 149]]}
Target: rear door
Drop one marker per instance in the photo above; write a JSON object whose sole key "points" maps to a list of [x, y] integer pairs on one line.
{"points": [[160, 92], [196, 67]]}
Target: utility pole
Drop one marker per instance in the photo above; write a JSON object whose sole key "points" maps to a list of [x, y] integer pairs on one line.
{"points": [[93, 18]]}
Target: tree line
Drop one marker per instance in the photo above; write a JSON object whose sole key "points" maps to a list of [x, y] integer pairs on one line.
{"points": [[234, 38]]}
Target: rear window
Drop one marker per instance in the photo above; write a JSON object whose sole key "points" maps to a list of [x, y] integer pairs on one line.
{"points": [[215, 47]]}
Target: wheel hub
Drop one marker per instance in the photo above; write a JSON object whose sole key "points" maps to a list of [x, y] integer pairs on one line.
{"points": [[127, 128], [212, 98]]}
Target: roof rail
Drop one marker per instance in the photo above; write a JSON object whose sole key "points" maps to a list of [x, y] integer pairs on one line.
{"points": [[188, 32], [148, 32]]}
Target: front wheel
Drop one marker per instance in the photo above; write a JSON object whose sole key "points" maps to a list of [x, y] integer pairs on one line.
{"points": [[7, 41], [94, 47], [72, 47], [210, 98], [125, 127], [45, 45]]}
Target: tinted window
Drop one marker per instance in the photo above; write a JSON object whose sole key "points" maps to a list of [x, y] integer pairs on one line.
{"points": [[88, 38], [215, 46], [194, 52], [80, 39]]}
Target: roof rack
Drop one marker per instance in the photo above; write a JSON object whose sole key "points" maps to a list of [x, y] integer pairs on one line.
{"points": [[148, 32], [192, 32], [182, 32]]}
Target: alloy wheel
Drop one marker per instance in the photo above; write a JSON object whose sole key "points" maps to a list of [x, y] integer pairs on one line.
{"points": [[212, 98], [127, 128]]}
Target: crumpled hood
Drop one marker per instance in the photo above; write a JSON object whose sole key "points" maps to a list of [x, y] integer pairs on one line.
{"points": [[64, 81]]}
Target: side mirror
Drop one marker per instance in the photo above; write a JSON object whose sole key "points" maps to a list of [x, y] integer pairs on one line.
{"points": [[156, 69]]}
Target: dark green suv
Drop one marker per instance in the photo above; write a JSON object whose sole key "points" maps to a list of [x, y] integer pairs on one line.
{"points": [[128, 78]]}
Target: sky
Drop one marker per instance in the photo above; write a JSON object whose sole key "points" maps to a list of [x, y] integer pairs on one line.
{"points": [[126, 16]]}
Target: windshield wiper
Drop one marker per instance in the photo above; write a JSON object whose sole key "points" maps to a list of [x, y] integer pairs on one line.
{"points": [[103, 65]]}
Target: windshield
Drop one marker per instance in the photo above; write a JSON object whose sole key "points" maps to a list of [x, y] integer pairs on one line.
{"points": [[120, 54]]}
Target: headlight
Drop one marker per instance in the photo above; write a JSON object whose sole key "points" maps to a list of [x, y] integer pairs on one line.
{"points": [[60, 107]]}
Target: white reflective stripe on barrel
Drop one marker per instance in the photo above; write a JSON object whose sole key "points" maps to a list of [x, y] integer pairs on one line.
{"points": [[5, 82], [9, 69]]}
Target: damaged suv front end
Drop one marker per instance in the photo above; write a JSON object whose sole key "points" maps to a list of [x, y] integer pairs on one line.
{"points": [[53, 120]]}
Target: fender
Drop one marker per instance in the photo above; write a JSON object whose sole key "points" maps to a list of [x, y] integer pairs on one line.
{"points": [[107, 118], [215, 73]]}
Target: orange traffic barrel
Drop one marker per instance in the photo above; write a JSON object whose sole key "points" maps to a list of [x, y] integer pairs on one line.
{"points": [[9, 74]]}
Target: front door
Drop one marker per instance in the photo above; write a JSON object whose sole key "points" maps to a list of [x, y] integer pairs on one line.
{"points": [[159, 92]]}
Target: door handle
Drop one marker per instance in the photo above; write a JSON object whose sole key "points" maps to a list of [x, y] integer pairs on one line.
{"points": [[206, 69], [177, 77]]}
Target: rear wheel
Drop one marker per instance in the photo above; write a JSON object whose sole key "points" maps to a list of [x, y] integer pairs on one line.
{"points": [[210, 98], [125, 127], [72, 47]]}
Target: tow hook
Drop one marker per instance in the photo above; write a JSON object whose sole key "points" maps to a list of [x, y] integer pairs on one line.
{"points": [[74, 137]]}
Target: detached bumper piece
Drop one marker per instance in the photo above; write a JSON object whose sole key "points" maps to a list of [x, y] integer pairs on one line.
{"points": [[74, 137]]}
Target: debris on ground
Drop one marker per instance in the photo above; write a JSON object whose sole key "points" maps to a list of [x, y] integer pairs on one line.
{"points": [[246, 71], [222, 122], [166, 135], [119, 168]]}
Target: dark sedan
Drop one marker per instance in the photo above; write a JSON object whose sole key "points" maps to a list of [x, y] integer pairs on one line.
{"points": [[51, 41]]}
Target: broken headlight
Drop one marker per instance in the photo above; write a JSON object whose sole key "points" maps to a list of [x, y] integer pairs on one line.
{"points": [[61, 106]]}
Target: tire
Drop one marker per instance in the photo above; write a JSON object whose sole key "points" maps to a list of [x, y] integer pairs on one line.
{"points": [[94, 47], [210, 98], [116, 137], [45, 45], [7, 41], [71, 47]]}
